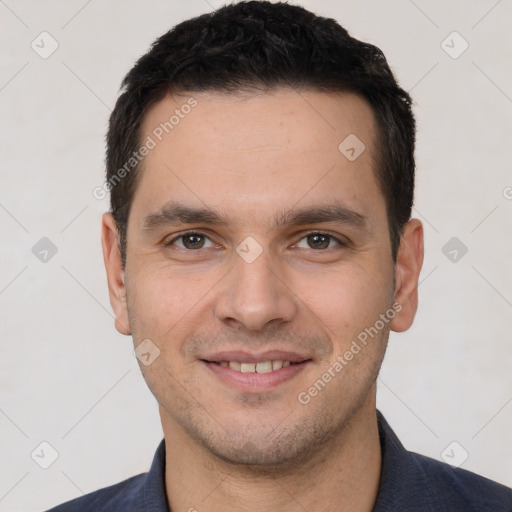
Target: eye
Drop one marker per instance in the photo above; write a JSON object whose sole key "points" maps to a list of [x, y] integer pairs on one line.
{"points": [[318, 241], [191, 240]]}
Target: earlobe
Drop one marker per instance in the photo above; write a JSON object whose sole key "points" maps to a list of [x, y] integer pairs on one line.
{"points": [[115, 273], [408, 267]]}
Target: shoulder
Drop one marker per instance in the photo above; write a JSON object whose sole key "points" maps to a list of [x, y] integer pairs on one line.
{"points": [[462, 489], [139, 493], [120, 496], [417, 483]]}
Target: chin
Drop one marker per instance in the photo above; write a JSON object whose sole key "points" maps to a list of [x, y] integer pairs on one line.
{"points": [[268, 449], [263, 456]]}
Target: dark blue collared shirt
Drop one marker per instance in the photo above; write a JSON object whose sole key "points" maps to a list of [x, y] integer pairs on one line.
{"points": [[409, 483]]}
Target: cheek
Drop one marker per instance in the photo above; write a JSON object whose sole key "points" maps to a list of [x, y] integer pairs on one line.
{"points": [[349, 299], [162, 302]]}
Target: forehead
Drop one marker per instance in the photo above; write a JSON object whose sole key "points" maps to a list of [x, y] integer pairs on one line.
{"points": [[306, 121], [259, 151]]}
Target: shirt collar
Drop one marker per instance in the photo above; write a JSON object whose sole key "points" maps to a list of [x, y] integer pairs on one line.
{"points": [[152, 496], [403, 480]]}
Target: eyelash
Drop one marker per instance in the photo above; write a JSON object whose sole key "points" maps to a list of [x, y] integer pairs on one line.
{"points": [[199, 233]]}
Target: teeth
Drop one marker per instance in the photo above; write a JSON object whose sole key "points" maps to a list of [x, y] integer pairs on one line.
{"points": [[264, 367], [261, 367], [248, 367]]}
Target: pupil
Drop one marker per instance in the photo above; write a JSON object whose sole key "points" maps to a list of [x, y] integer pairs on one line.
{"points": [[193, 241], [319, 241]]}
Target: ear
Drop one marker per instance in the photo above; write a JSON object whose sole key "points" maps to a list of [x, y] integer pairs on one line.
{"points": [[115, 272], [407, 270]]}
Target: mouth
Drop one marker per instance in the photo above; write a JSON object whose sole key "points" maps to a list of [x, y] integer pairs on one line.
{"points": [[255, 373], [259, 367]]}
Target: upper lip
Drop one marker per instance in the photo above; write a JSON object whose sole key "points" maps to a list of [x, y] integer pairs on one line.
{"points": [[248, 357]]}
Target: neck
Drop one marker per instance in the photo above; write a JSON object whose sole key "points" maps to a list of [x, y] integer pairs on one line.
{"points": [[344, 475]]}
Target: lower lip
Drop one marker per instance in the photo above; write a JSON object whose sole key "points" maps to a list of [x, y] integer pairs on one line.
{"points": [[255, 382]]}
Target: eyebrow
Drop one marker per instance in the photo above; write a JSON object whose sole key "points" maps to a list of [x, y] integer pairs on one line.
{"points": [[176, 213]]}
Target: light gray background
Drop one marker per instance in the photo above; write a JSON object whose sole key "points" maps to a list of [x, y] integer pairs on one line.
{"points": [[68, 378]]}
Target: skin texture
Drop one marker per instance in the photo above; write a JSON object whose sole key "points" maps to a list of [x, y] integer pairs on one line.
{"points": [[251, 158]]}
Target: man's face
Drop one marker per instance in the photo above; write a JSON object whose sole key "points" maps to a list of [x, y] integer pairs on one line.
{"points": [[296, 266]]}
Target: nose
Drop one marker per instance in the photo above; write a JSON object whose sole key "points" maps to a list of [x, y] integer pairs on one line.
{"points": [[255, 294]]}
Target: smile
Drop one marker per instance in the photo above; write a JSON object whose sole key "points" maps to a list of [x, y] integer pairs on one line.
{"points": [[260, 367], [255, 376]]}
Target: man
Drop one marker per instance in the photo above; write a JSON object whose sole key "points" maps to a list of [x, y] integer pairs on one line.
{"points": [[259, 250]]}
